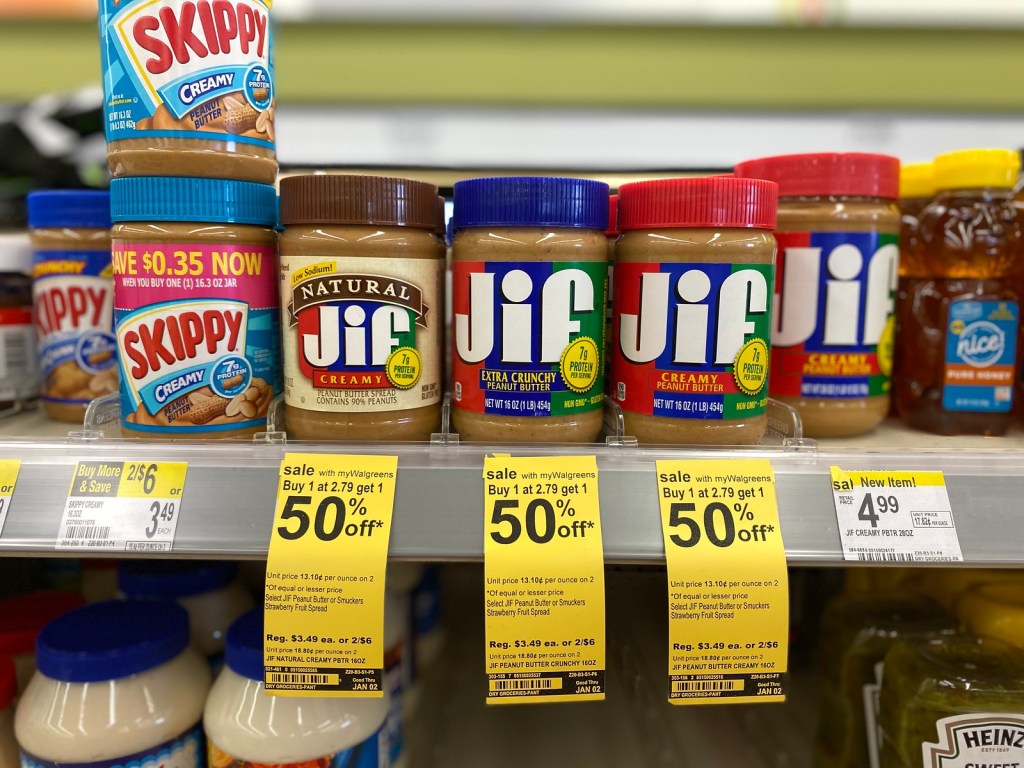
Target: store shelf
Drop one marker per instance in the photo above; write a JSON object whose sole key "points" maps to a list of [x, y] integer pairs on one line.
{"points": [[228, 503]]}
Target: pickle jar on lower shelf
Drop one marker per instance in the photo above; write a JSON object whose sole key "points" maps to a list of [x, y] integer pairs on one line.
{"points": [[857, 631], [954, 702]]}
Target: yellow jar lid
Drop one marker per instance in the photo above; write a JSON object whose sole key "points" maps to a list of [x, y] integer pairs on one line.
{"points": [[977, 168], [889, 580], [917, 180], [995, 610], [947, 585]]}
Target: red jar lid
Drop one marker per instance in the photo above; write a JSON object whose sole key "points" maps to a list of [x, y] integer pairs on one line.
{"points": [[8, 682], [705, 201], [23, 616], [852, 174], [613, 217]]}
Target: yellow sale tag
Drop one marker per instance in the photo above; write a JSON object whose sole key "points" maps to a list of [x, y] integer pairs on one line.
{"points": [[544, 574], [324, 602], [728, 587], [9, 469], [123, 506]]}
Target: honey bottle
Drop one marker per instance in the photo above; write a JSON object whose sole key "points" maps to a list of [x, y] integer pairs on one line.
{"points": [[957, 325]]}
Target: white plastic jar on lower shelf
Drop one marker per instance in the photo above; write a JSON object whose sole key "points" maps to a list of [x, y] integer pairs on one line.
{"points": [[244, 726], [117, 684]]}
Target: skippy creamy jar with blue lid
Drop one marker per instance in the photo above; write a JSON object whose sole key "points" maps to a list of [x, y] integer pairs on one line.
{"points": [[188, 88], [195, 305], [117, 685]]}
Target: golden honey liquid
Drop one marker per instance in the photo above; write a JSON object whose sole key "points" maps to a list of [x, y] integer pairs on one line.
{"points": [[967, 248]]}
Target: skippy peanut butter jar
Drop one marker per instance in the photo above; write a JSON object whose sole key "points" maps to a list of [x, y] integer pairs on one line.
{"points": [[73, 293], [362, 269], [529, 280], [188, 88], [692, 310], [195, 305], [835, 286]]}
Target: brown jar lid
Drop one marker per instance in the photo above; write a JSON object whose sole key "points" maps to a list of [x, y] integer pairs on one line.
{"points": [[344, 199]]}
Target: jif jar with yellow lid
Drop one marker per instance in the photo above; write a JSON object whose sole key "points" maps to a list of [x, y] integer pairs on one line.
{"points": [[958, 326], [832, 332], [954, 702], [692, 311], [362, 298]]}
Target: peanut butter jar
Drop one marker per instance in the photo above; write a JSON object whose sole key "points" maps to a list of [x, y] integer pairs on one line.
{"points": [[188, 88], [529, 277], [692, 309], [195, 306], [362, 271], [73, 295], [833, 318]]}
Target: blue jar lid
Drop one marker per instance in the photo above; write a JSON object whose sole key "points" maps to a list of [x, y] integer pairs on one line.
{"points": [[166, 198], [530, 201], [72, 208], [243, 651], [169, 578], [113, 639]]}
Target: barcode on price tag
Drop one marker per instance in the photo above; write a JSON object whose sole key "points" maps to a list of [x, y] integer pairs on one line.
{"points": [[894, 517], [122, 506]]}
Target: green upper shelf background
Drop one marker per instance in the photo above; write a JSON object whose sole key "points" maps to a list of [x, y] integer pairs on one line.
{"points": [[637, 67]]}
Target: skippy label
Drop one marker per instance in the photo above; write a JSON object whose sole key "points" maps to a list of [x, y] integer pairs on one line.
{"points": [[172, 68], [73, 292], [832, 329], [185, 751], [692, 339], [366, 333], [529, 337], [371, 753], [989, 740], [197, 329], [981, 348]]}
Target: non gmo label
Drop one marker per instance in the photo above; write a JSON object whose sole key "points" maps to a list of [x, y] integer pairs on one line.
{"points": [[199, 69], [529, 337], [692, 339], [130, 506], [73, 293], [727, 579], [197, 334], [185, 751], [981, 348], [977, 741], [9, 469], [889, 516], [544, 574], [363, 335], [324, 599], [832, 328]]}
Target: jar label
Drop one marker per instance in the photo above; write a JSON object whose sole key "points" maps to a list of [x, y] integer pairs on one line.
{"points": [[183, 751], [197, 335], [832, 324], [529, 337], [363, 335], [370, 753], [188, 69], [976, 740], [691, 339], [18, 373], [73, 292], [981, 349]]}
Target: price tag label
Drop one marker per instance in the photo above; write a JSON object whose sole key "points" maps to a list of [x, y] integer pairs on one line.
{"points": [[728, 587], [123, 506], [887, 516], [9, 469], [324, 600], [544, 574]]}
